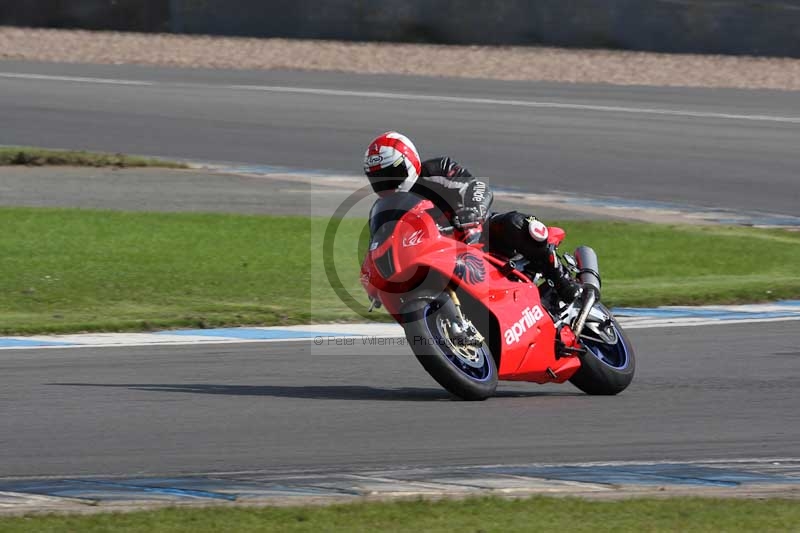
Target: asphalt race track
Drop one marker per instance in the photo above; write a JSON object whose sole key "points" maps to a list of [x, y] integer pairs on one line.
{"points": [[726, 391], [721, 392], [717, 148]]}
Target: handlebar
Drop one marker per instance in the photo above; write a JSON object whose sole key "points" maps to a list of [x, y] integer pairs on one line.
{"points": [[470, 235]]}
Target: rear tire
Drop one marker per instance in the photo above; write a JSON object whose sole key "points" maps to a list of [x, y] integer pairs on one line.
{"points": [[606, 369], [471, 374]]}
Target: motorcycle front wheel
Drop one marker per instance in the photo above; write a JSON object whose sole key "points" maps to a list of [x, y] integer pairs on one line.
{"points": [[467, 371]]}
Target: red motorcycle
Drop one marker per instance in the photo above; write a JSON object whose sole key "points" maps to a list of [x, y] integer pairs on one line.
{"points": [[473, 318]]}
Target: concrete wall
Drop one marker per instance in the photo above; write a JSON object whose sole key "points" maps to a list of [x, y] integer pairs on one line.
{"points": [[765, 27]]}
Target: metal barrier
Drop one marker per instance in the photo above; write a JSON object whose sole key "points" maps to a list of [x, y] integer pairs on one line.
{"points": [[123, 15]]}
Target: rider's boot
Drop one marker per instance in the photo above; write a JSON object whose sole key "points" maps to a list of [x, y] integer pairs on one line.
{"points": [[567, 288]]}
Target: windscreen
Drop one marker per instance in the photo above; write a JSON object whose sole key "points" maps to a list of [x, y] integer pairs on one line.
{"points": [[386, 212]]}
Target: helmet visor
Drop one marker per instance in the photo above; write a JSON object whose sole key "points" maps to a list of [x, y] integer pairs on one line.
{"points": [[389, 178]]}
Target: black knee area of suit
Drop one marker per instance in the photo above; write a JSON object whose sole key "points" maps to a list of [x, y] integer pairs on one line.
{"points": [[508, 235]]}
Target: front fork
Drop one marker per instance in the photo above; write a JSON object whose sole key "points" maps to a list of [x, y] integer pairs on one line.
{"points": [[464, 328]]}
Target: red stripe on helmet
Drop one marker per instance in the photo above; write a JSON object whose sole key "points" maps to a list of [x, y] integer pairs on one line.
{"points": [[410, 153]]}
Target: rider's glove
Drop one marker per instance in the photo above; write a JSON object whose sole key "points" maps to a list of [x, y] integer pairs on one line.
{"points": [[467, 217]]}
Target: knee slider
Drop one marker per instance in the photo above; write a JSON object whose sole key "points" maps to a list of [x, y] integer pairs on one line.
{"points": [[537, 230]]}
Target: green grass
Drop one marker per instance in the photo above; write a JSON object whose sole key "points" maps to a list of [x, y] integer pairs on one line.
{"points": [[25, 155], [473, 515], [73, 270], [64, 270], [651, 264]]}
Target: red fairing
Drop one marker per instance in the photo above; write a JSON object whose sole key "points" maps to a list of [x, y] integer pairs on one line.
{"points": [[555, 235], [417, 252], [415, 236]]}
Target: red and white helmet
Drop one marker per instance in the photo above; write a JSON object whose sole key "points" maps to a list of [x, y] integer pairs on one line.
{"points": [[392, 161]]}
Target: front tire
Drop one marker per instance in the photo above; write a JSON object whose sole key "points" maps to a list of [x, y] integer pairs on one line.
{"points": [[607, 368], [469, 372]]}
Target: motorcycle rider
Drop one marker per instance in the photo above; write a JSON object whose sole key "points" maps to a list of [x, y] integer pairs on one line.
{"points": [[392, 163]]}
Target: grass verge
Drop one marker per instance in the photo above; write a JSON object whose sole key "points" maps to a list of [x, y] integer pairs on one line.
{"points": [[25, 155], [477, 514], [66, 270]]}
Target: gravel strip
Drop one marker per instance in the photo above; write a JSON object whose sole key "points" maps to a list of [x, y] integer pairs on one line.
{"points": [[502, 63]]}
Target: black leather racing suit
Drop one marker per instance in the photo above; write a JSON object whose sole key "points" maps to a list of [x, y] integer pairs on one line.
{"points": [[464, 199], [453, 190]]}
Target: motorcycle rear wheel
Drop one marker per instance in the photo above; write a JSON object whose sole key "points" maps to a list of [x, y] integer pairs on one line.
{"points": [[606, 368], [468, 372]]}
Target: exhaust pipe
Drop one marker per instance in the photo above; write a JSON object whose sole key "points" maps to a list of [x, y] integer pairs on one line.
{"points": [[588, 269], [589, 276]]}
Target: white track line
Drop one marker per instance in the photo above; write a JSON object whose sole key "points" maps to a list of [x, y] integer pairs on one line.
{"points": [[105, 81], [652, 323], [270, 473], [432, 98], [361, 335], [517, 103], [145, 344]]}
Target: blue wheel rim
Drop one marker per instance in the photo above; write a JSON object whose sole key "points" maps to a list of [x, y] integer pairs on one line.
{"points": [[482, 373], [613, 355]]}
